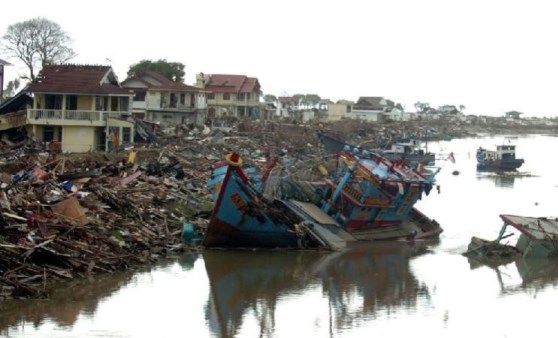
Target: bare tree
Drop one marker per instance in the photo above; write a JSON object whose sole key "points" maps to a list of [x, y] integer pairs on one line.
{"points": [[38, 42]]}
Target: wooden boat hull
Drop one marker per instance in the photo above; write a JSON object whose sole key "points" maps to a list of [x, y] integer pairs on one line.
{"points": [[243, 218]]}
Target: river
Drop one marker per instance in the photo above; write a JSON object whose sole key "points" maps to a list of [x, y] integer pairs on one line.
{"points": [[425, 289]]}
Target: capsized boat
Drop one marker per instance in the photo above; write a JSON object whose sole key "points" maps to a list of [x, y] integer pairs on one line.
{"points": [[538, 237], [373, 197], [366, 198], [503, 158], [243, 217]]}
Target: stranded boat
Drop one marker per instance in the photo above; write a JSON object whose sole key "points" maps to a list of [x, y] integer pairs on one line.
{"points": [[367, 198], [408, 150], [503, 158], [538, 238]]}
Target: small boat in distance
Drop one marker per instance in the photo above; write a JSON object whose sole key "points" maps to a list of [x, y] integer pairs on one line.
{"points": [[503, 158], [408, 150]]}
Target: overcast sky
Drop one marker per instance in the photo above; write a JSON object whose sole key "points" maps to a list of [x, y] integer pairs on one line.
{"points": [[491, 56]]}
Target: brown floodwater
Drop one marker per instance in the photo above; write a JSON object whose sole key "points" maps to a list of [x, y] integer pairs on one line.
{"points": [[385, 289]]}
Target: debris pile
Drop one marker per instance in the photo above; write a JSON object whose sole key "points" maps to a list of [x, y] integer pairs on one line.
{"points": [[80, 215], [75, 215]]}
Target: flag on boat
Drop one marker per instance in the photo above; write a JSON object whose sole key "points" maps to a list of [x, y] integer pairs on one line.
{"points": [[451, 157]]}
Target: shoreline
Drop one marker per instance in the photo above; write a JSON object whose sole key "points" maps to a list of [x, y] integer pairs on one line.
{"points": [[128, 214]]}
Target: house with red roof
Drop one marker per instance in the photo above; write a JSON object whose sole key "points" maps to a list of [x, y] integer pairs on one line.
{"points": [[83, 107], [231, 95], [160, 99]]}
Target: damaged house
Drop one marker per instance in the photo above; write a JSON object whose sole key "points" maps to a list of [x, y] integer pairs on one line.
{"points": [[167, 102], [82, 107]]}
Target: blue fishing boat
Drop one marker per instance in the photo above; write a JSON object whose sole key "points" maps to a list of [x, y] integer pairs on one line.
{"points": [[503, 158], [243, 217], [373, 198], [367, 198]]}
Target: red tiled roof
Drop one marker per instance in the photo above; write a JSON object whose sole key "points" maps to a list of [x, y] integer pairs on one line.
{"points": [[287, 100], [222, 83], [161, 82], [77, 79]]}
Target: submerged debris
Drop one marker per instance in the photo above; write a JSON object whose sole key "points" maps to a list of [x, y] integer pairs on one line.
{"points": [[479, 247]]}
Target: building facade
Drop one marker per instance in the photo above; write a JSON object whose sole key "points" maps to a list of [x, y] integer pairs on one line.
{"points": [[82, 107], [231, 95], [167, 102]]}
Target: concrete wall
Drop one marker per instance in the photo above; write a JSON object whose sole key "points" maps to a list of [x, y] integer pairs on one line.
{"points": [[367, 115], [78, 139], [153, 100], [85, 103], [337, 111]]}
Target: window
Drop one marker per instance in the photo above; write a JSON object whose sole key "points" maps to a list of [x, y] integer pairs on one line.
{"points": [[100, 103], [126, 134], [226, 96], [240, 96], [53, 101], [140, 96], [211, 96], [48, 134], [247, 96], [71, 102], [124, 103], [182, 98]]}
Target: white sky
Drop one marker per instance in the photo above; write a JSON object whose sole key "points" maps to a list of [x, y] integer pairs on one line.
{"points": [[492, 56]]}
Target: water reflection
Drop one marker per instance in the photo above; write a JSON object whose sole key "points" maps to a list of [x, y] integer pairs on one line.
{"points": [[521, 274], [356, 283], [68, 301], [501, 180]]}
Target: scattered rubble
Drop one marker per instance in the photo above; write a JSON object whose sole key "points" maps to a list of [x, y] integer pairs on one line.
{"points": [[64, 216]]}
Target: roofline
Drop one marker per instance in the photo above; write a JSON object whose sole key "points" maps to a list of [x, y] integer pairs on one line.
{"points": [[69, 93]]}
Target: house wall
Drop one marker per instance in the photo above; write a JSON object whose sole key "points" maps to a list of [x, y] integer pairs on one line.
{"points": [[85, 103], [367, 115], [338, 111], [116, 126], [78, 139], [153, 100]]}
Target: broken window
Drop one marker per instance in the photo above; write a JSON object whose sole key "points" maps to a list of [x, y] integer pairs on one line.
{"points": [[48, 133], [125, 103], [140, 96], [126, 134]]}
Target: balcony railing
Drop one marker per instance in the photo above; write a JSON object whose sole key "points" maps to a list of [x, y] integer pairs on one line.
{"points": [[72, 117]]}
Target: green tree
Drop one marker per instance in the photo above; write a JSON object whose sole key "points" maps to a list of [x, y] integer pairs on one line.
{"points": [[312, 99], [268, 98], [171, 70], [421, 106], [38, 42], [11, 88]]}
